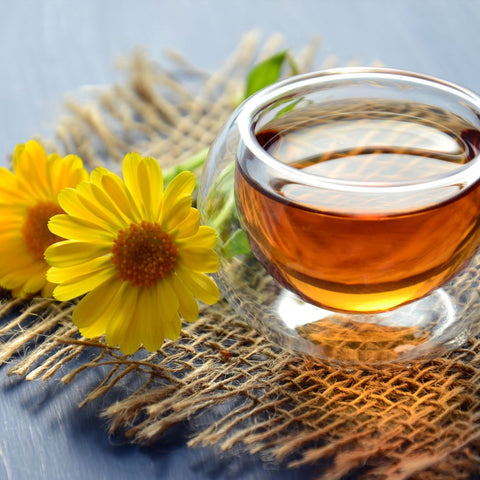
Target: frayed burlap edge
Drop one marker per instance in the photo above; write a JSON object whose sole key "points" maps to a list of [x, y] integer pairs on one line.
{"points": [[239, 391]]}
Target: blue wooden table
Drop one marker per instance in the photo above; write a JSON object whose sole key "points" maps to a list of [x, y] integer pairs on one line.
{"points": [[52, 47]]}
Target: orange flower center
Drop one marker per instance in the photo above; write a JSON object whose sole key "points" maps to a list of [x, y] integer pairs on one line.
{"points": [[143, 254], [35, 229]]}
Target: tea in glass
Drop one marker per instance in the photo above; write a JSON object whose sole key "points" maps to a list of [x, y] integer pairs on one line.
{"points": [[369, 253]]}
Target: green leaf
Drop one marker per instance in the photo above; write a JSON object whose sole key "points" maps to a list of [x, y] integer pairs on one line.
{"points": [[290, 105], [265, 73], [293, 65], [237, 244]]}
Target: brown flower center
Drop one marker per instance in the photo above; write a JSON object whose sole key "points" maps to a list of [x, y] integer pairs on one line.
{"points": [[143, 254], [35, 229]]}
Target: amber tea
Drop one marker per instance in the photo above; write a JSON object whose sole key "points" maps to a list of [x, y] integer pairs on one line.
{"points": [[354, 252]]}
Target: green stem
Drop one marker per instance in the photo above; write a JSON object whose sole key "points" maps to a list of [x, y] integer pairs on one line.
{"points": [[192, 163], [225, 213]]}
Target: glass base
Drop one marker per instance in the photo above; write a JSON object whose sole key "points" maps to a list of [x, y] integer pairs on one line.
{"points": [[380, 337], [422, 329]]}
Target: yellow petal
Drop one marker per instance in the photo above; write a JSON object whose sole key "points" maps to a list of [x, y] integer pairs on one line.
{"points": [[96, 175], [130, 173], [68, 200], [15, 255], [30, 163], [121, 329], [105, 201], [10, 193], [81, 285], [31, 148], [104, 209], [173, 327], [187, 227], [143, 178], [17, 153], [149, 320], [47, 290], [203, 287], [135, 184], [205, 237], [199, 259], [73, 228], [181, 186], [25, 281], [188, 305], [175, 211], [34, 284], [30, 166], [70, 252], [72, 203], [153, 174], [118, 193], [70, 274], [94, 311], [167, 308], [141, 328], [65, 172]]}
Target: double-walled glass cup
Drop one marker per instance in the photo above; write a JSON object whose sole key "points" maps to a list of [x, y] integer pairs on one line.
{"points": [[359, 193]]}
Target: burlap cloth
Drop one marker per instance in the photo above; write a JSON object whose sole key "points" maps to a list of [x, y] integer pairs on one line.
{"points": [[414, 421]]}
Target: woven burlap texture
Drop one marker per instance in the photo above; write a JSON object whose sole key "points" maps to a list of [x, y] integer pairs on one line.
{"points": [[414, 421]]}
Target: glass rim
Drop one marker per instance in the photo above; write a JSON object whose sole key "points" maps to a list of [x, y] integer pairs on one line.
{"points": [[466, 175]]}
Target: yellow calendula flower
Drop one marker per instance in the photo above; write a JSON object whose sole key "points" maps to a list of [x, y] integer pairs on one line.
{"points": [[28, 198], [137, 251]]}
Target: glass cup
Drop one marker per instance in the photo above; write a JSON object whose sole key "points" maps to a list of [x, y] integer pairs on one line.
{"points": [[347, 203]]}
